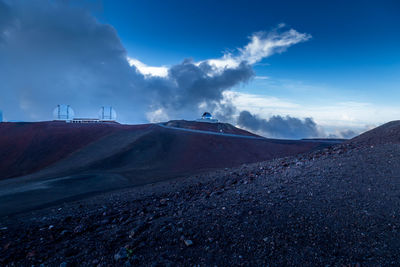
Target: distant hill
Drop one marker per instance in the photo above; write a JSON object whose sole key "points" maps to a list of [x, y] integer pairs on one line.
{"points": [[48, 162], [30, 147], [388, 133]]}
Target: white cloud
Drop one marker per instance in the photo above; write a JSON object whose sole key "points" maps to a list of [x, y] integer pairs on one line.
{"points": [[262, 77], [157, 115], [333, 117], [253, 102], [261, 45], [148, 70]]}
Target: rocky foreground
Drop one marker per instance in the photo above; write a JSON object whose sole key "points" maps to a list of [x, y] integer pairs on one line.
{"points": [[339, 206]]}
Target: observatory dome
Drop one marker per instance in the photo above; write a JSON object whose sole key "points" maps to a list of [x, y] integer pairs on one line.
{"points": [[207, 116], [107, 114], [63, 113]]}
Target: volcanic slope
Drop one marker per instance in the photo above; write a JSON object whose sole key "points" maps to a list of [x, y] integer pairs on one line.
{"points": [[28, 147], [388, 133], [338, 206], [126, 156]]}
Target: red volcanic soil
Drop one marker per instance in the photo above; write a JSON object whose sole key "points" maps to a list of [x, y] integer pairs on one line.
{"points": [[28, 147], [208, 126], [62, 161], [165, 152], [149, 151]]}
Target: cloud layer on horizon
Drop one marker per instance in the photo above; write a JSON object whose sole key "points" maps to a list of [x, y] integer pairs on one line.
{"points": [[280, 127]]}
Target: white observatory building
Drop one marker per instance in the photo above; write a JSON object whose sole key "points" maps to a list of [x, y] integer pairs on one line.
{"points": [[107, 114], [66, 114], [207, 117], [63, 113]]}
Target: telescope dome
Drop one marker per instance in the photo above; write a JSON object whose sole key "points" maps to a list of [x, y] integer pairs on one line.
{"points": [[63, 113], [107, 114]]}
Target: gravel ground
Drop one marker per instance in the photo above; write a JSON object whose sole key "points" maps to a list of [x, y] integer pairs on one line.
{"points": [[335, 207]]}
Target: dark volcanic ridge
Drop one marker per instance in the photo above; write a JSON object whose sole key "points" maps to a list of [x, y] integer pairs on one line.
{"points": [[388, 133], [338, 206], [208, 126], [30, 147], [63, 161], [66, 148]]}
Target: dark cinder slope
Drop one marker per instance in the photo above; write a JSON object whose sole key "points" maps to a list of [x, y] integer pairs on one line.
{"points": [[337, 206], [388, 133]]}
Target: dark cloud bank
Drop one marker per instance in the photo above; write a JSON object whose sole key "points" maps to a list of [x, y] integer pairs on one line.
{"points": [[281, 127], [52, 52]]}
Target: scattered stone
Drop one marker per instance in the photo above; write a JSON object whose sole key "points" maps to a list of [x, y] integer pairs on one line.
{"points": [[163, 201], [121, 254], [64, 232], [188, 242], [139, 228], [79, 229], [105, 221]]}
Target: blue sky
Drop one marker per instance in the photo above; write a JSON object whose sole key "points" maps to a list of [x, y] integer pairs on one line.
{"points": [[337, 62], [350, 38], [353, 55]]}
